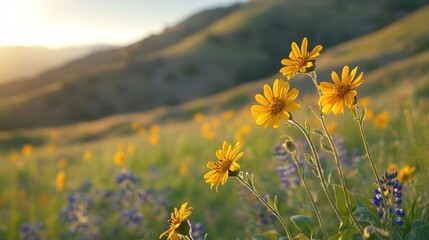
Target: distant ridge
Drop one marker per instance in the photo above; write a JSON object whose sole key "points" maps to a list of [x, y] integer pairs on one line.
{"points": [[18, 62]]}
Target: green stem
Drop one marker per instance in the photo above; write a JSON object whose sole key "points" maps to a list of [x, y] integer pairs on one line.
{"points": [[368, 154], [331, 142], [272, 210], [319, 218], [318, 167], [340, 173]]}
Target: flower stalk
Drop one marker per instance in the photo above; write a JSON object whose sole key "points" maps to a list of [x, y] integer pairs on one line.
{"points": [[335, 153], [313, 202], [273, 209], [318, 167], [359, 119]]}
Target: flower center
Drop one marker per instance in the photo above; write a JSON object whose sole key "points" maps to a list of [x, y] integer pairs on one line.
{"points": [[341, 89], [222, 165], [276, 106], [302, 61]]}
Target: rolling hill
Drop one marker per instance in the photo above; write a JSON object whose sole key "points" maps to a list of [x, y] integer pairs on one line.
{"points": [[403, 73], [209, 53]]}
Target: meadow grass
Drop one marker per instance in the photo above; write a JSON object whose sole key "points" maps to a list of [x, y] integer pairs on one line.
{"points": [[177, 162]]}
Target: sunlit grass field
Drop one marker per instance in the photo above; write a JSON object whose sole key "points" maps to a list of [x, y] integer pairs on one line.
{"points": [[169, 158]]}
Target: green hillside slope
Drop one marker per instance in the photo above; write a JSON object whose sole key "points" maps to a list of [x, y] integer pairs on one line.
{"points": [[231, 46]]}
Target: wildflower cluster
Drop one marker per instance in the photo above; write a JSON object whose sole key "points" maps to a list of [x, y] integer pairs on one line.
{"points": [[392, 191], [274, 107], [32, 231], [78, 213]]}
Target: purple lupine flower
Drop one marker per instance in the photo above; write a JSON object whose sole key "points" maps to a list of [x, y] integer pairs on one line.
{"points": [[197, 231], [32, 231], [392, 190]]}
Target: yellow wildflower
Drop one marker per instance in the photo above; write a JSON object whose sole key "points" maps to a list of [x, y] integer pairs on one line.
{"points": [[300, 60], [131, 148], [87, 155], [183, 170], [154, 139], [50, 148], [177, 219], [341, 92], [392, 167], [14, 156], [405, 174], [199, 117], [381, 120], [135, 125], [369, 114], [227, 115], [226, 165], [276, 104], [365, 101], [119, 158], [60, 181], [332, 126], [27, 149]]}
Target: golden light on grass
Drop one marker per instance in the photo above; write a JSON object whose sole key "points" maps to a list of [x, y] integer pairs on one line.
{"points": [[225, 166], [335, 96], [62, 163], [177, 219], [300, 60], [275, 105]]}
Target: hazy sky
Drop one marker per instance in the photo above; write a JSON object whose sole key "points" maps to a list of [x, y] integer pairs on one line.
{"points": [[56, 23]]}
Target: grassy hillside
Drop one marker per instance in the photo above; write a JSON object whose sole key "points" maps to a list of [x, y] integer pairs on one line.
{"points": [[208, 53]]}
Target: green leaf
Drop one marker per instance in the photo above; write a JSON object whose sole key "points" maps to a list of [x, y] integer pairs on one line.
{"points": [[341, 201], [362, 116], [371, 232], [310, 160], [315, 113], [419, 230], [301, 237], [346, 233], [325, 147], [273, 203], [270, 235], [318, 132], [307, 125], [304, 223], [365, 202]]}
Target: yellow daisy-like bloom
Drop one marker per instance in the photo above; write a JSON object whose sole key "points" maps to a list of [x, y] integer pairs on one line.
{"points": [[226, 165], [300, 59], [276, 104], [381, 120], [340, 93], [60, 181], [406, 174], [177, 218]]}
